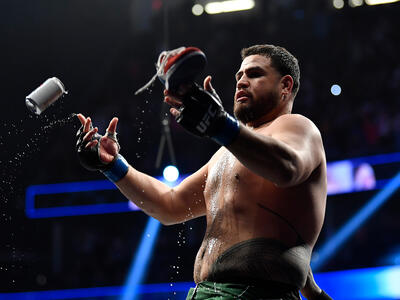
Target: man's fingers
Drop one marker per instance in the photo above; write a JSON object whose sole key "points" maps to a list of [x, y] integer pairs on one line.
{"points": [[174, 112], [112, 127], [88, 136], [207, 84], [173, 102], [87, 125], [91, 144], [175, 98], [81, 118]]}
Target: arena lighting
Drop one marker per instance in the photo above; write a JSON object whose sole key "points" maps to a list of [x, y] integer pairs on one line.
{"points": [[377, 2], [33, 209], [355, 3], [197, 9], [142, 258], [228, 6], [333, 245], [171, 173], [336, 90], [338, 4], [99, 292], [366, 283]]}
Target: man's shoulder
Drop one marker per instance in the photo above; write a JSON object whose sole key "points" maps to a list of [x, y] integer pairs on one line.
{"points": [[217, 155], [294, 121], [294, 118]]}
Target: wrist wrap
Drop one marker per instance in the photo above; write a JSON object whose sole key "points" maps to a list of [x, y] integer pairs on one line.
{"points": [[202, 114], [228, 132], [118, 169]]}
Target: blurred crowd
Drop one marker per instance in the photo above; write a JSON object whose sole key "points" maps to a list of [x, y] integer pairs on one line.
{"points": [[357, 49]]}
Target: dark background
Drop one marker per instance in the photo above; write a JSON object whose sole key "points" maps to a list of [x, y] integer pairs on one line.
{"points": [[104, 50]]}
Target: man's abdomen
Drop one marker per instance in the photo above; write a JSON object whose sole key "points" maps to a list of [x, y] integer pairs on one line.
{"points": [[254, 262]]}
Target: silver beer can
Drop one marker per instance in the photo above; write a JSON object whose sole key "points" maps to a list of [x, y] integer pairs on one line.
{"points": [[45, 95]]}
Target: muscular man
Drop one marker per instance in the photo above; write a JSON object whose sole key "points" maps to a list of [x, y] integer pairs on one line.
{"points": [[263, 192]]}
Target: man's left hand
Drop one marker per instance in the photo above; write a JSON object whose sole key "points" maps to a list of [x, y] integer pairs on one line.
{"points": [[96, 152]]}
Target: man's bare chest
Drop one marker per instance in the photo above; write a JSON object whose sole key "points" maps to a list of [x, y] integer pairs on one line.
{"points": [[221, 170], [226, 172], [227, 179]]}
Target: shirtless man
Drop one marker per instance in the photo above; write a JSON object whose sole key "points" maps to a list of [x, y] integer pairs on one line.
{"points": [[263, 193]]}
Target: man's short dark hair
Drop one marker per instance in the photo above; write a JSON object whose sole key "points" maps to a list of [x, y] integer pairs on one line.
{"points": [[281, 59]]}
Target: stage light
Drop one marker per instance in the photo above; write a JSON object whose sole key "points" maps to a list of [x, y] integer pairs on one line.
{"points": [[139, 266], [376, 2], [365, 283], [338, 4], [333, 245], [355, 3], [336, 90], [228, 6], [171, 173], [197, 9]]}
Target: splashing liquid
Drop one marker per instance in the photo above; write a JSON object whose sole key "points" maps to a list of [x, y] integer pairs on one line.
{"points": [[12, 167], [19, 145]]}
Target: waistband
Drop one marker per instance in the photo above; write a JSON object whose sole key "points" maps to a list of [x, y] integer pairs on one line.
{"points": [[228, 291]]}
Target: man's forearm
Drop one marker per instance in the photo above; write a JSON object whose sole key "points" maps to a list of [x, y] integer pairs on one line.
{"points": [[149, 194]]}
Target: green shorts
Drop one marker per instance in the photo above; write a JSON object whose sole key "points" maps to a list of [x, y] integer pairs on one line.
{"points": [[207, 290]]}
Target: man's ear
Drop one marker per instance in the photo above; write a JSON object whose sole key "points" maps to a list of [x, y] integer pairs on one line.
{"points": [[287, 85]]}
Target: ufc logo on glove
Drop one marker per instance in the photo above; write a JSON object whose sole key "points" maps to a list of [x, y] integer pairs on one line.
{"points": [[205, 122]]}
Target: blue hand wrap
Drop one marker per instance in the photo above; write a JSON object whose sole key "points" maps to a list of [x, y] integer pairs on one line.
{"points": [[228, 131], [118, 169]]}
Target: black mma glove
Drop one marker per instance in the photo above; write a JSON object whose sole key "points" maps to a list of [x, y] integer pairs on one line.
{"points": [[202, 114], [89, 158]]}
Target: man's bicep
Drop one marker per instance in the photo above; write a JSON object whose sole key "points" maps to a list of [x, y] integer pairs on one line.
{"points": [[304, 139], [187, 199]]}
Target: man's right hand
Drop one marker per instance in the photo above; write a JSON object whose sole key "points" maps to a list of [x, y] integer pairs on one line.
{"points": [[200, 112], [96, 152]]}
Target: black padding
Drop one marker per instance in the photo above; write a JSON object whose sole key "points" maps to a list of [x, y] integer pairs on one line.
{"points": [[89, 157], [261, 260], [201, 112]]}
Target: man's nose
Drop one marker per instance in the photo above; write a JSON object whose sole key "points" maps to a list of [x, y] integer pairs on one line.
{"points": [[242, 83]]}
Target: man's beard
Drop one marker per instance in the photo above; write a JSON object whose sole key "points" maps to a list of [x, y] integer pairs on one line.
{"points": [[253, 110]]}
